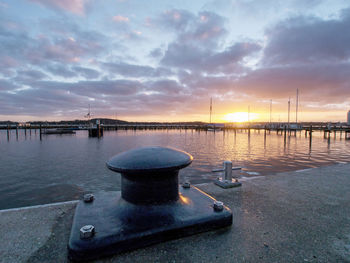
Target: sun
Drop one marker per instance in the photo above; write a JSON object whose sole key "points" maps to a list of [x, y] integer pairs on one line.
{"points": [[240, 117]]}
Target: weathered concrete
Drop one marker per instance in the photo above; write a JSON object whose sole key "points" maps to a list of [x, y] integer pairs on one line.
{"points": [[24, 233], [290, 217]]}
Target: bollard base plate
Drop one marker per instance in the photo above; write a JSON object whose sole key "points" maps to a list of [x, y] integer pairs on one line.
{"points": [[227, 184], [122, 226]]}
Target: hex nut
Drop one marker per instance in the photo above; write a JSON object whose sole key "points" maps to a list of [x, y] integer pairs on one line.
{"points": [[186, 185], [218, 206], [87, 231], [88, 198]]}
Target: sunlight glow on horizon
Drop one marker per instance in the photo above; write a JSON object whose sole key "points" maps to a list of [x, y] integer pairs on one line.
{"points": [[240, 117]]}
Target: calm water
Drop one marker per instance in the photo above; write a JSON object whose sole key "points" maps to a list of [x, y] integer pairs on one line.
{"points": [[63, 167]]}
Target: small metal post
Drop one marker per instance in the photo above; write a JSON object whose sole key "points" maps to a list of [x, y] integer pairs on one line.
{"points": [[8, 132], [226, 180], [228, 170], [310, 136]]}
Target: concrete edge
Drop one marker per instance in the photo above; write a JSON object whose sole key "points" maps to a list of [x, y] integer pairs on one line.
{"points": [[38, 206]]}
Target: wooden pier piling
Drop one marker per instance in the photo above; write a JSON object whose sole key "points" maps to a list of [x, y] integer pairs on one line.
{"points": [[310, 136]]}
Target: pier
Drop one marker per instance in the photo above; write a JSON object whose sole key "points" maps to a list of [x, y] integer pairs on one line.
{"points": [[328, 130], [299, 216]]}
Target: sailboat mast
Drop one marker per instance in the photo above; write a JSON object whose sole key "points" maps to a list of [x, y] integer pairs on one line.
{"points": [[270, 111], [288, 111], [89, 114], [211, 108], [296, 107], [248, 113]]}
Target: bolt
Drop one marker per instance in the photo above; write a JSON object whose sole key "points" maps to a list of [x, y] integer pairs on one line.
{"points": [[88, 198], [218, 206], [87, 231], [186, 185]]}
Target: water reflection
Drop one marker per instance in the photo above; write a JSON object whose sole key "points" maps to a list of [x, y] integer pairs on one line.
{"points": [[61, 167]]}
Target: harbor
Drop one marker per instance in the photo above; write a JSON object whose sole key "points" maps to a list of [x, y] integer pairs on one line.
{"points": [[174, 131], [299, 216], [73, 164]]}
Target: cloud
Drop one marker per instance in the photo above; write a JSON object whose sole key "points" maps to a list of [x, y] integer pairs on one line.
{"points": [[131, 70], [119, 18], [166, 86], [205, 28], [176, 19], [31, 74], [308, 40], [156, 53], [87, 73], [198, 59], [93, 88], [199, 43], [60, 66], [17, 47], [321, 82], [60, 70], [76, 7], [105, 96], [6, 85]]}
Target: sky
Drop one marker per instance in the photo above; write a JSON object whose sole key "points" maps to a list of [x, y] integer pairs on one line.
{"points": [[162, 60]]}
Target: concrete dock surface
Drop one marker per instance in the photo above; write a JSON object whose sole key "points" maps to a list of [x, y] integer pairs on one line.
{"points": [[301, 216]]}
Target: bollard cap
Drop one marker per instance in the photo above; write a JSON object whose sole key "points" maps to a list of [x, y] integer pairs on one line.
{"points": [[146, 160]]}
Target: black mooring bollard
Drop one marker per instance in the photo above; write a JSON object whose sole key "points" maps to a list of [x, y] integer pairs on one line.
{"points": [[150, 208]]}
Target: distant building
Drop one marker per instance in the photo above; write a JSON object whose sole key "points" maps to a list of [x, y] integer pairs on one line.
{"points": [[349, 117]]}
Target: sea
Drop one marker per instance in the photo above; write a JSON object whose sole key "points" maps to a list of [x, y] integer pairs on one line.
{"points": [[64, 167]]}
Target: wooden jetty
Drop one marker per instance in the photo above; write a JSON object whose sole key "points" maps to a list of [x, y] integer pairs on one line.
{"points": [[338, 130], [58, 131]]}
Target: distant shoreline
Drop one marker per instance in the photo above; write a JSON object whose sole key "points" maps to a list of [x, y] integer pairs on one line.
{"points": [[116, 121]]}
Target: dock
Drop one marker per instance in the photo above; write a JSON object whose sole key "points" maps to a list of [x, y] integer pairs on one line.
{"points": [[300, 216], [336, 130]]}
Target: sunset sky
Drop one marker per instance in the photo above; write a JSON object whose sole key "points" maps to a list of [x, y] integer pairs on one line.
{"points": [[163, 60]]}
